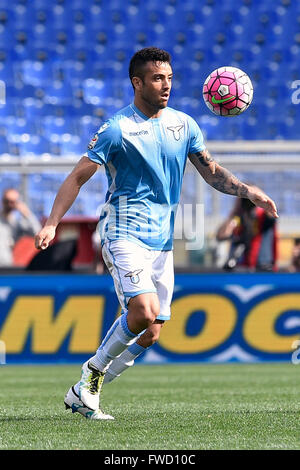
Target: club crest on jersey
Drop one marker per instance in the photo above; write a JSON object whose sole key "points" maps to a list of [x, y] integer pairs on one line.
{"points": [[93, 142], [176, 131], [134, 276]]}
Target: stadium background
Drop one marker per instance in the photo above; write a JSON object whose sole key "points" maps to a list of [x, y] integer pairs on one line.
{"points": [[64, 66]]}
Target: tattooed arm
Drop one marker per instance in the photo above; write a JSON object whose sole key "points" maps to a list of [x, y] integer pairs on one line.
{"points": [[222, 180]]}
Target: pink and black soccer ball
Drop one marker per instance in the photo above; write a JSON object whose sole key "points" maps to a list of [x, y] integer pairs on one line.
{"points": [[227, 91]]}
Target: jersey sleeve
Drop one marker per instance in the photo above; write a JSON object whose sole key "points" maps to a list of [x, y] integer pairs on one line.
{"points": [[196, 143], [105, 142]]}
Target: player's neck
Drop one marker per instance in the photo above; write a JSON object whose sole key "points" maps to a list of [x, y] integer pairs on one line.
{"points": [[147, 109]]}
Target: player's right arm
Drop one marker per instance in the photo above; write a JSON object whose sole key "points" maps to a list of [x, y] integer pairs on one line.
{"points": [[220, 178], [223, 180], [65, 197]]}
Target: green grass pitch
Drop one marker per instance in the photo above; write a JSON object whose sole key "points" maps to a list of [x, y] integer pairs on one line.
{"points": [[199, 406]]}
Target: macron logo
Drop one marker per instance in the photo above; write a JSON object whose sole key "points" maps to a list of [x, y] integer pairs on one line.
{"points": [[136, 134]]}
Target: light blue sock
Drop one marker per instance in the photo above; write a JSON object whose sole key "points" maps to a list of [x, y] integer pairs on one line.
{"points": [[117, 339], [125, 360]]}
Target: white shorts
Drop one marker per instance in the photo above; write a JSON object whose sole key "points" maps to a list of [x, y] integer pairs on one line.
{"points": [[136, 270]]}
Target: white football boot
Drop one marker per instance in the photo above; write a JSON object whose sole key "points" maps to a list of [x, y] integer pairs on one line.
{"points": [[73, 402], [90, 386]]}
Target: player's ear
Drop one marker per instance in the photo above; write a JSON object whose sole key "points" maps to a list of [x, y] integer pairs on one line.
{"points": [[137, 83]]}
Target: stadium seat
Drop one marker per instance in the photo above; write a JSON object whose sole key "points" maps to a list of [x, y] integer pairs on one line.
{"points": [[7, 16], [33, 145], [20, 126], [88, 126], [37, 73], [7, 72], [22, 16], [77, 71], [35, 108], [4, 146], [96, 91], [7, 109], [71, 145], [58, 125], [42, 35], [59, 93], [6, 36], [210, 126]]}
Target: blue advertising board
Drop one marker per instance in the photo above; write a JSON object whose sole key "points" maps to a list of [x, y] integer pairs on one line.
{"points": [[215, 318]]}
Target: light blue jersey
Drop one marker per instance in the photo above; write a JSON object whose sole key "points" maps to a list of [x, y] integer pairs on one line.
{"points": [[144, 161]]}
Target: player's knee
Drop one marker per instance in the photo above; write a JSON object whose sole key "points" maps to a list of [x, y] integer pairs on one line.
{"points": [[145, 310], [147, 313], [142, 312]]}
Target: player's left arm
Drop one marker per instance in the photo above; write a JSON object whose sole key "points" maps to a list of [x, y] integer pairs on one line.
{"points": [[223, 180]]}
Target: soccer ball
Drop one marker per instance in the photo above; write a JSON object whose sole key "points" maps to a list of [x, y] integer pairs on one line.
{"points": [[227, 91]]}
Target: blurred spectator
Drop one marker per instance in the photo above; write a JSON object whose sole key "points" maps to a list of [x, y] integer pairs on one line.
{"points": [[253, 237], [295, 262], [16, 220]]}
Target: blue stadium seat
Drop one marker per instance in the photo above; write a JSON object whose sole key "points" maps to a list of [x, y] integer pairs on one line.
{"points": [[37, 73], [58, 125], [88, 126], [249, 132], [20, 126], [23, 91], [31, 144], [72, 145], [7, 17], [77, 71], [79, 108], [123, 89], [21, 52], [210, 125], [96, 91], [4, 146], [6, 36], [99, 18], [7, 109], [113, 107], [42, 4], [59, 93], [82, 35], [36, 108], [22, 16], [60, 17], [42, 35]]}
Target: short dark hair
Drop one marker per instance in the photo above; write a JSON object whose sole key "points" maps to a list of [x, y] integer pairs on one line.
{"points": [[141, 57]]}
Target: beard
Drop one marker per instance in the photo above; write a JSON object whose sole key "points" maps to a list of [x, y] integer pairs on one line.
{"points": [[155, 104]]}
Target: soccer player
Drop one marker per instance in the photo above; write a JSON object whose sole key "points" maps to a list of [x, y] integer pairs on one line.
{"points": [[144, 148]]}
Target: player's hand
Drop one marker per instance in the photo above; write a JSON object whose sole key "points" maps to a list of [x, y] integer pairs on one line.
{"points": [[44, 237], [260, 199]]}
